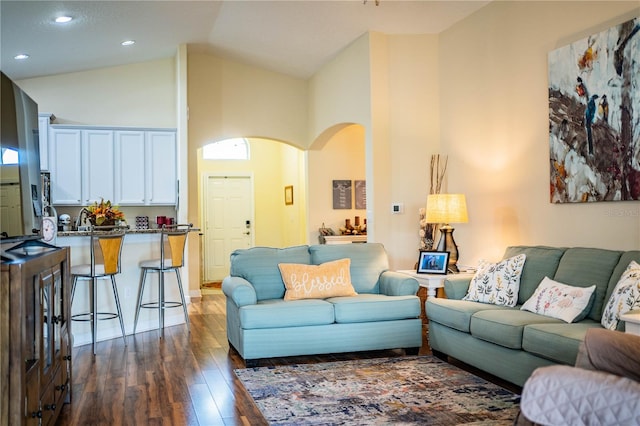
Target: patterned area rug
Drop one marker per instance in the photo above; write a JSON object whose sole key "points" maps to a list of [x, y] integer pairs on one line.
{"points": [[421, 390]]}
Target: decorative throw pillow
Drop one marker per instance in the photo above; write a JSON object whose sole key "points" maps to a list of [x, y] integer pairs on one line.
{"points": [[557, 300], [329, 279], [625, 297], [497, 283]]}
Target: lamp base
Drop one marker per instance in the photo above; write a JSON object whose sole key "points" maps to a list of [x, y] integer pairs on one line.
{"points": [[447, 243]]}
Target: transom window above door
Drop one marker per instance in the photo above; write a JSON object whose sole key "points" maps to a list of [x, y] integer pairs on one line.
{"points": [[228, 149]]}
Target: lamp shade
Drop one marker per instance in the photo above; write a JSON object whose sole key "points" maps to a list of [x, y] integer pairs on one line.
{"points": [[446, 208]]}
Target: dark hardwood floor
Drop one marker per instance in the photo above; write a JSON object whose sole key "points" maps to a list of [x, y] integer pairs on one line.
{"points": [[181, 379]]}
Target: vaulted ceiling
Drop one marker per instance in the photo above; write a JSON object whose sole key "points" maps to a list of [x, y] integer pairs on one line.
{"points": [[293, 37]]}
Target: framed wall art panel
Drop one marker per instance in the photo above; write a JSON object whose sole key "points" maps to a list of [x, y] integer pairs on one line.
{"points": [[594, 117]]}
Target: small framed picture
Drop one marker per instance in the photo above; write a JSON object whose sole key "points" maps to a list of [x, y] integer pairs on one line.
{"points": [[433, 262], [288, 195]]}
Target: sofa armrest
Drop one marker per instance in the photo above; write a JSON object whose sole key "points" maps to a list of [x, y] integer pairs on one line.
{"points": [[397, 284], [456, 287], [239, 290]]}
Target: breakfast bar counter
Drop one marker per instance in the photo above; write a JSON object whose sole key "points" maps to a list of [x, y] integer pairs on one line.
{"points": [[130, 231], [139, 245]]}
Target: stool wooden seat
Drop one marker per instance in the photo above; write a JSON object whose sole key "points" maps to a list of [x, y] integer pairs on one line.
{"points": [[173, 239], [106, 247]]}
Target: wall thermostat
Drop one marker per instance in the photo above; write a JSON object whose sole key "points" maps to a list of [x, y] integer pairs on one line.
{"points": [[397, 208]]}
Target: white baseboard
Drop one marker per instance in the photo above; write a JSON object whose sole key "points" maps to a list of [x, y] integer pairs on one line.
{"points": [[107, 331], [196, 295]]}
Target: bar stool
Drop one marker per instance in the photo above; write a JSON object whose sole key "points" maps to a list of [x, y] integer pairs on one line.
{"points": [[106, 247], [173, 240]]}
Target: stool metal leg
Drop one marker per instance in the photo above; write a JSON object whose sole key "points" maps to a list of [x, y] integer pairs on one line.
{"points": [[115, 294], [184, 304], [161, 300], [94, 312], [143, 277]]}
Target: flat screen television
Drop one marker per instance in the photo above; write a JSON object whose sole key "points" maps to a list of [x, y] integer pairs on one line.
{"points": [[20, 184]]}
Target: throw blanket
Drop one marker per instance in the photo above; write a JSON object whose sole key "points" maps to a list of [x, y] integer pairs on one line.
{"points": [[603, 390]]}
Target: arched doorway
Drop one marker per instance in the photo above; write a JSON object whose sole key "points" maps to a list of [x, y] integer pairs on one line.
{"points": [[270, 166]]}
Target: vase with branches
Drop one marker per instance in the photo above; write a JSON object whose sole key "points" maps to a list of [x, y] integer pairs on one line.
{"points": [[438, 169]]}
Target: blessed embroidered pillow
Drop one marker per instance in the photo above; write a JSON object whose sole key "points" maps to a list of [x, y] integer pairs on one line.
{"points": [[625, 297], [330, 279], [557, 300], [497, 283]]}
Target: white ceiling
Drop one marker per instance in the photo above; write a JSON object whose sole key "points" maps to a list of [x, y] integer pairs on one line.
{"points": [[294, 37]]}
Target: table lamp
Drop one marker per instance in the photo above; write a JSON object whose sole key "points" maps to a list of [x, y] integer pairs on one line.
{"points": [[446, 209]]}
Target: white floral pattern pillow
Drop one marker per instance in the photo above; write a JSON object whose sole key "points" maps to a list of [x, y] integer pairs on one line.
{"points": [[562, 301], [497, 283], [624, 298]]}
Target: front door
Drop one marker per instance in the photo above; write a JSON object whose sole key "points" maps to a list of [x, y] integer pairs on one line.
{"points": [[228, 223]]}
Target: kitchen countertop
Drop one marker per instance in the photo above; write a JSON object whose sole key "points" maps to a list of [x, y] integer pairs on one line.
{"points": [[129, 231]]}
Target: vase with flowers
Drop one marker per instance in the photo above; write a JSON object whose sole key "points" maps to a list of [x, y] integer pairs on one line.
{"points": [[103, 213]]}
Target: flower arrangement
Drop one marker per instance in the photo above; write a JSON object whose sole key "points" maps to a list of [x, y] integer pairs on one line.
{"points": [[104, 213]]}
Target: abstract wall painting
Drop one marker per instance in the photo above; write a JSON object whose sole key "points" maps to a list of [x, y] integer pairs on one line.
{"points": [[594, 117]]}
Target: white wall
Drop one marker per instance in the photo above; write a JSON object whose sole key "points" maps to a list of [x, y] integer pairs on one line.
{"points": [[228, 99], [494, 125], [414, 134], [389, 85], [142, 94]]}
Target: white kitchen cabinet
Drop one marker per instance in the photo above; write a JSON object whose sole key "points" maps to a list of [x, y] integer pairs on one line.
{"points": [[130, 167], [161, 168], [65, 163], [97, 166], [44, 120]]}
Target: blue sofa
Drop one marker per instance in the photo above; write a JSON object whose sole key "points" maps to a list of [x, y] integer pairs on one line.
{"points": [[385, 314], [510, 343]]}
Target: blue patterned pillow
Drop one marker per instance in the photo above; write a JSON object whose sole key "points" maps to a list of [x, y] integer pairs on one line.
{"points": [[497, 283]]}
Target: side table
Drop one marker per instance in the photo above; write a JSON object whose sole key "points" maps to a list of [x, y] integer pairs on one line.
{"points": [[632, 320], [430, 284]]}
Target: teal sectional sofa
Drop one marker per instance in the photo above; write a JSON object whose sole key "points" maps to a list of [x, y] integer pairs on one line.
{"points": [[385, 314], [510, 343]]}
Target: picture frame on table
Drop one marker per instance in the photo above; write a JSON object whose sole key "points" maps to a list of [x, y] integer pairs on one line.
{"points": [[433, 262]]}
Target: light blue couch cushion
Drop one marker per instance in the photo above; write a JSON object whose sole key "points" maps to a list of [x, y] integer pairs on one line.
{"points": [[368, 261], [584, 267], [541, 262], [557, 342], [276, 313], [375, 307], [456, 313], [505, 327], [259, 266]]}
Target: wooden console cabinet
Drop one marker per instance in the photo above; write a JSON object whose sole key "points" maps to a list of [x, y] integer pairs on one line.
{"points": [[35, 335]]}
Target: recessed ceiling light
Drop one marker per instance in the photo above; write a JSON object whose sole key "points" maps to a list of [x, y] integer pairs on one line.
{"points": [[63, 19], [21, 56], [128, 42]]}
